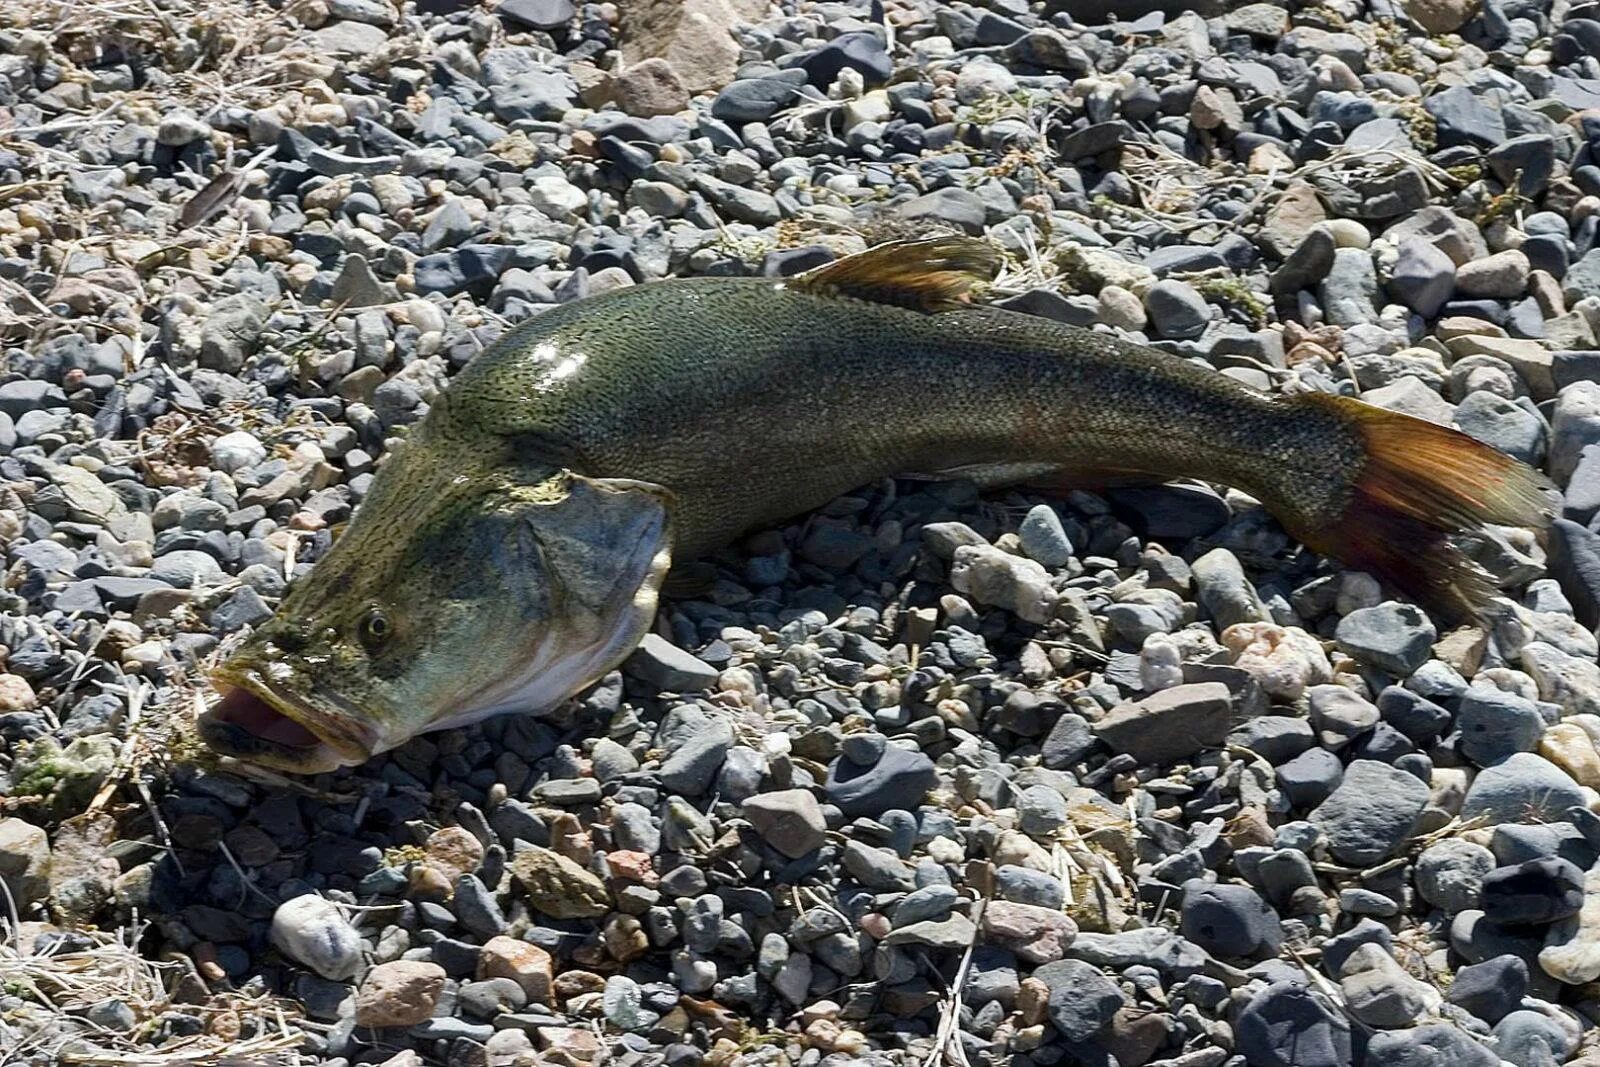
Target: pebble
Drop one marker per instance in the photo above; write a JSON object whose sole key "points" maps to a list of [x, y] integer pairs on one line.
{"points": [[1082, 1001], [399, 993], [313, 931], [1450, 874], [1171, 724], [1229, 920], [1288, 1025], [898, 779], [1371, 813], [1521, 788], [1393, 637]]}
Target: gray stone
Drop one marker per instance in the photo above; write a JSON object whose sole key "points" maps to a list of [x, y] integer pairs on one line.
{"points": [[1495, 724], [229, 334], [1393, 637], [789, 820], [1348, 292], [1287, 1025], [1225, 592], [1044, 538], [1536, 892], [1171, 724], [1372, 812], [1423, 277], [1229, 920], [1521, 788], [660, 663], [951, 206], [1432, 1045], [898, 780], [1491, 990], [694, 763], [1450, 873], [1082, 999], [1379, 992], [1176, 310]]}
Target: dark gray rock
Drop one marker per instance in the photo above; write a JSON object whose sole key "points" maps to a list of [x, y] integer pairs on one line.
{"points": [[899, 779], [1372, 812], [1433, 1045], [1082, 999], [1394, 637], [1229, 920], [1539, 891], [1287, 1025], [1491, 990]]}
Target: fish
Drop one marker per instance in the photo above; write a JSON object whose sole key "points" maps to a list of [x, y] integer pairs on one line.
{"points": [[511, 551]]}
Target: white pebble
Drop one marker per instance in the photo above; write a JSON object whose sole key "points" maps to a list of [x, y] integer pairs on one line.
{"points": [[314, 931]]}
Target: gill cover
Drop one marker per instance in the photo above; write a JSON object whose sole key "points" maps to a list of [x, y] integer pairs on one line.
{"points": [[604, 546]]}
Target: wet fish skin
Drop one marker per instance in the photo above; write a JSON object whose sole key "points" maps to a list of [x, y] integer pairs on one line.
{"points": [[512, 549]]}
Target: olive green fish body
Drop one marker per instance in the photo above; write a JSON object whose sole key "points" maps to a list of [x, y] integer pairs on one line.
{"points": [[753, 401]]}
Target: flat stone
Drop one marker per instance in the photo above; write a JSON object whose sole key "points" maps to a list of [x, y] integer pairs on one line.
{"points": [[789, 820], [1371, 814], [1521, 788], [660, 663], [1171, 724]]}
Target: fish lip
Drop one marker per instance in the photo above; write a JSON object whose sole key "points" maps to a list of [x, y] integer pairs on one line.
{"points": [[343, 740]]}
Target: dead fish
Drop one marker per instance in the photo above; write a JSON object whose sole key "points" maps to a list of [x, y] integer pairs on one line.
{"points": [[512, 550]]}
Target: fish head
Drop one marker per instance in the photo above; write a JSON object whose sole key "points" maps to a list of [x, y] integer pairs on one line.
{"points": [[512, 599]]}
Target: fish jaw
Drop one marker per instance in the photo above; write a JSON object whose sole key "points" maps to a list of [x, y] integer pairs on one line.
{"points": [[257, 721]]}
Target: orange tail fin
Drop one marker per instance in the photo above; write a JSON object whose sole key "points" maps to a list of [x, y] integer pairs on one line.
{"points": [[1421, 482]]}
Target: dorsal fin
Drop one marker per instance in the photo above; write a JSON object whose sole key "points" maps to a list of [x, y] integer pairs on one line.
{"points": [[930, 275]]}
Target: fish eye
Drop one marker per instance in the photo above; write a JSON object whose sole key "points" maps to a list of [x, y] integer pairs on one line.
{"points": [[374, 628]]}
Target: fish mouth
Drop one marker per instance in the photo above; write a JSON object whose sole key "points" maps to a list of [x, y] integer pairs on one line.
{"points": [[257, 722]]}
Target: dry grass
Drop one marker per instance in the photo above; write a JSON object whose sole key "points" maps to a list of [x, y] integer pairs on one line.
{"points": [[240, 1029]]}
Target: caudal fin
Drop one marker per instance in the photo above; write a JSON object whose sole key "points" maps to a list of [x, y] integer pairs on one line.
{"points": [[1421, 482]]}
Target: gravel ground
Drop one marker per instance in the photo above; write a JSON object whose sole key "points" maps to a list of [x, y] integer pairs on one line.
{"points": [[926, 778]]}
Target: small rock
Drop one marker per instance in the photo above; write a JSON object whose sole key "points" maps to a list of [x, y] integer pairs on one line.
{"points": [[559, 887], [1450, 873], [650, 88], [1373, 811], [24, 861], [899, 779], [1171, 724], [1082, 999], [1288, 1025], [401, 993], [1521, 788], [1502, 276], [1394, 637], [999, 579], [1379, 992], [660, 663], [1229, 920], [314, 931], [530, 966], [789, 820], [1538, 891], [1491, 990]]}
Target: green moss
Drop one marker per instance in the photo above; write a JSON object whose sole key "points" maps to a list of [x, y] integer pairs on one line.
{"points": [[1230, 291]]}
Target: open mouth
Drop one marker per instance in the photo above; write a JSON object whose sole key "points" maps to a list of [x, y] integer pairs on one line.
{"points": [[253, 723], [241, 708]]}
